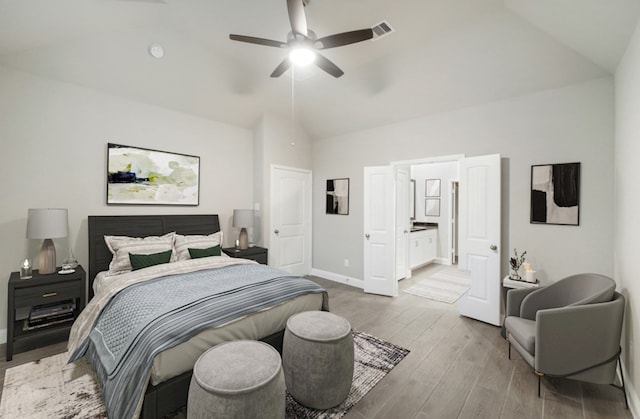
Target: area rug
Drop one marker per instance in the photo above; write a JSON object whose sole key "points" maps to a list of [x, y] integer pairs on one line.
{"points": [[51, 389], [446, 285]]}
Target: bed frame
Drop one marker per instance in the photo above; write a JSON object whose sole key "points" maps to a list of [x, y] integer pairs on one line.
{"points": [[170, 395]]}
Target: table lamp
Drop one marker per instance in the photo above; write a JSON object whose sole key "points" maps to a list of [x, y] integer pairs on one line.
{"points": [[243, 218], [47, 224]]}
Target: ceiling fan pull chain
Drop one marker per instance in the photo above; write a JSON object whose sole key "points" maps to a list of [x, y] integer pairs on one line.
{"points": [[293, 108]]}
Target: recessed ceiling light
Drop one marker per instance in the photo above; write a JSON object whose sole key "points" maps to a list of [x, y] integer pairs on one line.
{"points": [[156, 50]]}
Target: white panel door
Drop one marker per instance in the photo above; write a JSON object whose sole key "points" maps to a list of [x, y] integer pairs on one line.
{"points": [[403, 177], [379, 231], [290, 237], [479, 236]]}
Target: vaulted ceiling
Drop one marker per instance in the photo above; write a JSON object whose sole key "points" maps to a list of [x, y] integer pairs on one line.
{"points": [[443, 54]]}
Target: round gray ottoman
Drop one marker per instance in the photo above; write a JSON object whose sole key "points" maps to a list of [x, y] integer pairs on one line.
{"points": [[239, 379], [317, 357]]}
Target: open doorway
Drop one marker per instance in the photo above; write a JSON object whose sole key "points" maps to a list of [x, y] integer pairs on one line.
{"points": [[478, 238], [436, 209]]}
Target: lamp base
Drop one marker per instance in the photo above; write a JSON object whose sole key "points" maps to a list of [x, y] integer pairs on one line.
{"points": [[47, 258], [243, 239]]}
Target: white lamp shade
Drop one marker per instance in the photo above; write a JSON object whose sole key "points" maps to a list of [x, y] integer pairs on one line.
{"points": [[47, 223], [242, 218]]}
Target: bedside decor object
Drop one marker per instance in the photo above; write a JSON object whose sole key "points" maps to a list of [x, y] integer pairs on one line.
{"points": [[70, 261], [142, 176], [243, 218], [47, 224], [25, 269], [529, 273], [338, 196], [515, 262], [555, 194]]}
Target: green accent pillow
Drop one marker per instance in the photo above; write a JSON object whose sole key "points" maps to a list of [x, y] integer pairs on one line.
{"points": [[204, 253], [144, 261]]}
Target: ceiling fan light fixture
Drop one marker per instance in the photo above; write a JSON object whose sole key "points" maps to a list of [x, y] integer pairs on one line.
{"points": [[302, 56]]}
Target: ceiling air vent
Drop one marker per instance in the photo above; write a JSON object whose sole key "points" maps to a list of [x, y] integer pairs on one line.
{"points": [[382, 29]]}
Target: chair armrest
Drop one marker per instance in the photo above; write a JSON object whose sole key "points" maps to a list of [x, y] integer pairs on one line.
{"points": [[572, 338], [514, 300]]}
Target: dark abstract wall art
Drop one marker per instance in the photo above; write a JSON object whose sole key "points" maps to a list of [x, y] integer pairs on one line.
{"points": [[337, 196], [555, 194]]}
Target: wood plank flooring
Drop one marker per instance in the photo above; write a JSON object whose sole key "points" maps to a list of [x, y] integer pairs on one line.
{"points": [[457, 368]]}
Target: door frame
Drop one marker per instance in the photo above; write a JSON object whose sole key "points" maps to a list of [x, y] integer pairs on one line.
{"points": [[309, 213]]}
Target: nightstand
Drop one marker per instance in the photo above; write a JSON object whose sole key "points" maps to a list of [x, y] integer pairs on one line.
{"points": [[259, 254], [42, 309]]}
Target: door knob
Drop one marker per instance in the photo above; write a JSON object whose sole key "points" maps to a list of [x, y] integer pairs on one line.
{"points": [[276, 231], [493, 247], [367, 236]]}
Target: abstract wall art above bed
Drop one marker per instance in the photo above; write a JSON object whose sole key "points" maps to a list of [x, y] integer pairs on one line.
{"points": [[150, 177], [555, 194]]}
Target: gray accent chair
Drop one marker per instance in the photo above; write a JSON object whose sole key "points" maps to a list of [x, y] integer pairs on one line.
{"points": [[569, 329]]}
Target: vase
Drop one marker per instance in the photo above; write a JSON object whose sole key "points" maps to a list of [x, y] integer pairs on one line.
{"points": [[515, 276]]}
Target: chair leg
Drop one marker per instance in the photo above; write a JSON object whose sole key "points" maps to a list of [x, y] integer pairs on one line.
{"points": [[539, 374], [622, 387], [509, 350]]}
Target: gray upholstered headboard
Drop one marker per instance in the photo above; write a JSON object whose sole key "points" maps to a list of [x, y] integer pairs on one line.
{"points": [[139, 226]]}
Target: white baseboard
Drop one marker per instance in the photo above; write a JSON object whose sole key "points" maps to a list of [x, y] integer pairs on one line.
{"points": [[347, 280], [632, 395], [3, 336]]}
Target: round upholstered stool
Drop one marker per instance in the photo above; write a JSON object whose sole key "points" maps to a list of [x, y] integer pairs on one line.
{"points": [[317, 357], [239, 379]]}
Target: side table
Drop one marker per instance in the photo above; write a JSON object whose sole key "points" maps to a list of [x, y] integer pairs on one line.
{"points": [[257, 253], [41, 310], [507, 284]]}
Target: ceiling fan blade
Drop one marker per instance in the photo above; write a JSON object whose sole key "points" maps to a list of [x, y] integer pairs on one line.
{"points": [[297, 17], [259, 41], [328, 66], [281, 68], [344, 38]]}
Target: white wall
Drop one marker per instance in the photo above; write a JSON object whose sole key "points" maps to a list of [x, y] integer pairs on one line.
{"points": [[276, 145], [627, 208], [53, 139], [574, 123]]}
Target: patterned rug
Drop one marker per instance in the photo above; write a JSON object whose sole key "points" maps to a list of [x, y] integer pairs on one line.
{"points": [[446, 285], [51, 389]]}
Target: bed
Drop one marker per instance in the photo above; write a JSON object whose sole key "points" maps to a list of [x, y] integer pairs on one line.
{"points": [[170, 372]]}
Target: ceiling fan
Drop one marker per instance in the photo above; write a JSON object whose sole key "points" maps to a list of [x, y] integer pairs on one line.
{"points": [[303, 43]]}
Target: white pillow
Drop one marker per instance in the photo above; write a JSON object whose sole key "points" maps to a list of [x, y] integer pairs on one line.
{"points": [[182, 244], [121, 246]]}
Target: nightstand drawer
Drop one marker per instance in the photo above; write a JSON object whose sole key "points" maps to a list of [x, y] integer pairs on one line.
{"points": [[44, 294]]}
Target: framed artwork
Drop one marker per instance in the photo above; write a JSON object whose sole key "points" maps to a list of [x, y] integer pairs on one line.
{"points": [[338, 196], [432, 187], [140, 176], [432, 207], [555, 194]]}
